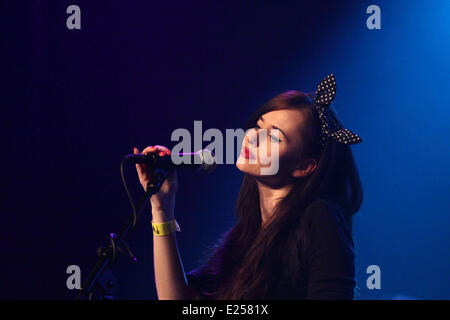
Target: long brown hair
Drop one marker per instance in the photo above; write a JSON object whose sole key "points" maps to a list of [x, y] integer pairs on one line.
{"points": [[249, 261]]}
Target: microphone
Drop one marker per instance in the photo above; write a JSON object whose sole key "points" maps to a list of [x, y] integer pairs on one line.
{"points": [[202, 160]]}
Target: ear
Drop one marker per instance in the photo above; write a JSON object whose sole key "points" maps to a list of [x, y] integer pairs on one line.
{"points": [[307, 167]]}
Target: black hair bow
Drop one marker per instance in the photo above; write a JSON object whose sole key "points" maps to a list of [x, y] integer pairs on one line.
{"points": [[326, 90]]}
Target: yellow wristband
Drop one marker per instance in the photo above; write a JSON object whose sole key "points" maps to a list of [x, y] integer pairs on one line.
{"points": [[168, 227]]}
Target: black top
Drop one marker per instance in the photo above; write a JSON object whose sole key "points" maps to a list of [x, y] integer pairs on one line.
{"points": [[328, 266]]}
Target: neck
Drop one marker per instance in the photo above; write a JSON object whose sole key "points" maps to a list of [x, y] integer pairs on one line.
{"points": [[269, 198]]}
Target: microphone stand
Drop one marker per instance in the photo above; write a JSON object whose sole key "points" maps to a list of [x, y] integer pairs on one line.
{"points": [[108, 255]]}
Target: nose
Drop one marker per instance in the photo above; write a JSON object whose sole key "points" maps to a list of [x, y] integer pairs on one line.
{"points": [[252, 137]]}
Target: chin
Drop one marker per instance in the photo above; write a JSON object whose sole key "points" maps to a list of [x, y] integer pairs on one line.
{"points": [[243, 165], [250, 168]]}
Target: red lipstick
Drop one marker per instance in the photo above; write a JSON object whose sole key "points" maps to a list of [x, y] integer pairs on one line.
{"points": [[246, 153]]}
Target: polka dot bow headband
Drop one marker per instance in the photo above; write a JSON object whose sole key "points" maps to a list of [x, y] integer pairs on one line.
{"points": [[326, 90]]}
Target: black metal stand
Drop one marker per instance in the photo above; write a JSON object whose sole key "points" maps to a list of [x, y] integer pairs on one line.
{"points": [[107, 255]]}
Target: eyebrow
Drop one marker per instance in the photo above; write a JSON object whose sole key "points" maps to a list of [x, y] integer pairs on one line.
{"points": [[274, 127]]}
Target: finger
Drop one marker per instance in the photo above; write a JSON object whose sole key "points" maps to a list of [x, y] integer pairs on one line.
{"points": [[139, 167], [149, 149], [163, 151], [162, 148]]}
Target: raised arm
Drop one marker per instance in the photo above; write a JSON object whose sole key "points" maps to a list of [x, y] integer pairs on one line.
{"points": [[170, 279]]}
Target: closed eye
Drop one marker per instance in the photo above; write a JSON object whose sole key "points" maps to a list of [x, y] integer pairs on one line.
{"points": [[275, 138], [270, 135]]}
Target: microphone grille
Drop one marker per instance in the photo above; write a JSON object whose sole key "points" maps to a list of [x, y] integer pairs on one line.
{"points": [[208, 162]]}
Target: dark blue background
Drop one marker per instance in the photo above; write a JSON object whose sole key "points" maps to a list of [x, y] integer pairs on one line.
{"points": [[75, 101]]}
